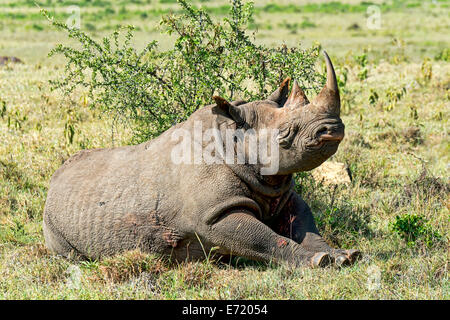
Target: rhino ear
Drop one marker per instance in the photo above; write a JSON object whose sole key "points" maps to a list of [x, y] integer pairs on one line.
{"points": [[234, 112], [281, 94]]}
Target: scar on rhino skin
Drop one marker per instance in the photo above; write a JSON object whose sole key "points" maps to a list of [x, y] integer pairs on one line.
{"points": [[281, 243]]}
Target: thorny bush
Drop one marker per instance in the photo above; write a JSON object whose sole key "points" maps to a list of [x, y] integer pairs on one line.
{"points": [[151, 90]]}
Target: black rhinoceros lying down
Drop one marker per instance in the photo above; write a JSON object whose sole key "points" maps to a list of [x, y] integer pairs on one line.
{"points": [[183, 196]]}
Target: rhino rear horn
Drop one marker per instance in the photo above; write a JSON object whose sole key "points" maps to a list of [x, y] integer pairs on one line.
{"points": [[297, 98], [281, 94], [328, 100]]}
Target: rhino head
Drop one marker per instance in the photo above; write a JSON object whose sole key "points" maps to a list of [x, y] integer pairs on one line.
{"points": [[308, 132]]}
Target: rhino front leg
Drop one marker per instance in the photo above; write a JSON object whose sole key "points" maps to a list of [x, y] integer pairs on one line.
{"points": [[241, 234], [296, 222]]}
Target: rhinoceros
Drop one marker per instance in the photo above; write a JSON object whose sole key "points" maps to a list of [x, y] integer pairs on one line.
{"points": [[102, 202]]}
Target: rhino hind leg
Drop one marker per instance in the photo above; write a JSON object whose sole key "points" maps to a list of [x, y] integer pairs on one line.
{"points": [[56, 243], [297, 222], [241, 234]]}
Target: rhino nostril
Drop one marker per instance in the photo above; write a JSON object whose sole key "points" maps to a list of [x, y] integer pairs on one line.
{"points": [[328, 133], [322, 131]]}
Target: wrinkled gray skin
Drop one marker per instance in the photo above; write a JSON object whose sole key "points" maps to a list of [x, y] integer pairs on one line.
{"points": [[105, 201]]}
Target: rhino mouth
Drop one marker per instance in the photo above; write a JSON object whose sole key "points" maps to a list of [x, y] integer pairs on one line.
{"points": [[328, 137], [331, 137]]}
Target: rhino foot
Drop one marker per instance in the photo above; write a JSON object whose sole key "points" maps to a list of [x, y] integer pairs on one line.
{"points": [[342, 261], [354, 255], [321, 259], [344, 258]]}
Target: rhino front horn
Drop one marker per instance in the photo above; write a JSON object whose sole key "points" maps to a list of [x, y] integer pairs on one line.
{"points": [[328, 99]]}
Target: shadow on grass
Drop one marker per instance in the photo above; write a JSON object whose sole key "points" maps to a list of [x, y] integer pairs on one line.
{"points": [[341, 222]]}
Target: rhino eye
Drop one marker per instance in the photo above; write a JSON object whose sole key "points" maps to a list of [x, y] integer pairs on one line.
{"points": [[286, 136]]}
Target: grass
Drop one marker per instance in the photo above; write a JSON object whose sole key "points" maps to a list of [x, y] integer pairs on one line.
{"points": [[395, 107]]}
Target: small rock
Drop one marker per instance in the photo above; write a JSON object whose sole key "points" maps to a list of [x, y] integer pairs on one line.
{"points": [[331, 172], [4, 60], [74, 277]]}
